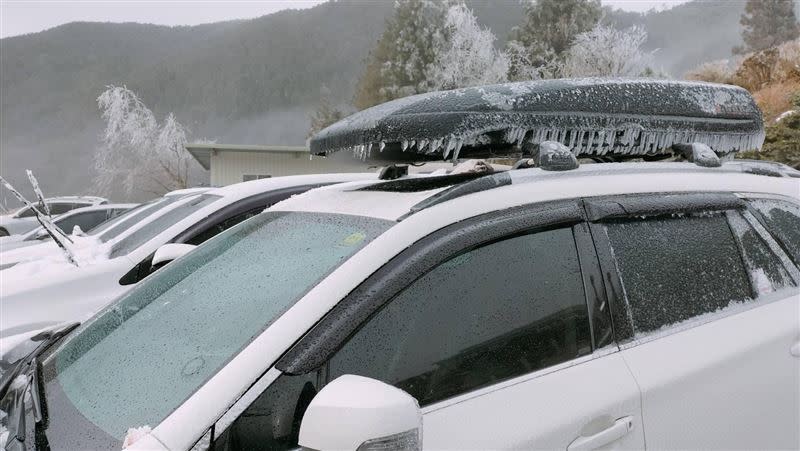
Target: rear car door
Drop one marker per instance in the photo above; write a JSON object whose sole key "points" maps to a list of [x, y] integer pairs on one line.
{"points": [[499, 326], [710, 315]]}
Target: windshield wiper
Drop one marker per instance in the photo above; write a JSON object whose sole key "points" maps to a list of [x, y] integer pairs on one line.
{"points": [[28, 368]]}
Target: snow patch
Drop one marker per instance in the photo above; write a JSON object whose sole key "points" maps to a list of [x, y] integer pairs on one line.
{"points": [[135, 434], [785, 114]]}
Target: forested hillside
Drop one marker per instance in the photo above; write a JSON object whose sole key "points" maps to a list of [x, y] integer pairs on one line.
{"points": [[251, 81]]}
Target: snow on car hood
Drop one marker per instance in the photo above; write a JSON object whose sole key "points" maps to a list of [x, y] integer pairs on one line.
{"points": [[48, 257]]}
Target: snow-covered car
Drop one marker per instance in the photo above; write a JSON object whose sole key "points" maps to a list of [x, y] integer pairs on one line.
{"points": [[571, 305], [104, 233], [50, 290], [24, 219], [86, 218]]}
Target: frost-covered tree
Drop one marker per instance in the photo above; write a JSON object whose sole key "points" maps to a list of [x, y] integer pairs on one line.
{"points": [[398, 65], [608, 52], [536, 47], [766, 24], [467, 56], [325, 114], [136, 152]]}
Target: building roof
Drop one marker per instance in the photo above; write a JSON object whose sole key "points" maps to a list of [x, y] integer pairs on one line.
{"points": [[202, 152]]}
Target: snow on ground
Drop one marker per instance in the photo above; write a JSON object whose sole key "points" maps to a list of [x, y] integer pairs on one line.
{"points": [[785, 114]]}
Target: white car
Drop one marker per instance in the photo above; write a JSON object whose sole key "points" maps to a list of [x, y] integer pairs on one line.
{"points": [[106, 232], [49, 290], [86, 218], [568, 306], [24, 219]]}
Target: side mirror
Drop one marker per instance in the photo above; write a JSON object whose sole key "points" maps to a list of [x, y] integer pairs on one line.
{"points": [[359, 413], [171, 251]]}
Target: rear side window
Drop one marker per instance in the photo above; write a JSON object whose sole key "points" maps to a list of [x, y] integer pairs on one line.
{"points": [[677, 268], [766, 270], [783, 222], [61, 208], [85, 220], [26, 213], [490, 314]]}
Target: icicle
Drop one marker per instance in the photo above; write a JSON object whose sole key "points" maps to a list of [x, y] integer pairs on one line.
{"points": [[404, 145], [381, 146], [457, 149], [451, 144]]}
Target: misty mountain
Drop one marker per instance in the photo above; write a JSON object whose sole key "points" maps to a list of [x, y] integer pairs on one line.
{"points": [[249, 81]]}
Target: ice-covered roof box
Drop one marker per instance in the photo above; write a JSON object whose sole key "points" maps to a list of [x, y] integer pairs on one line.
{"points": [[591, 116]]}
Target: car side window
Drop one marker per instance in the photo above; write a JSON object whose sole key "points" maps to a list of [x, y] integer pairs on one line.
{"points": [[61, 208], [487, 315], [27, 213], [782, 219], [767, 272], [86, 220], [675, 268], [272, 421], [223, 225]]}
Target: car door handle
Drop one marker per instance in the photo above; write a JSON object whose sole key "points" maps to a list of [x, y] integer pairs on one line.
{"points": [[795, 349], [618, 430]]}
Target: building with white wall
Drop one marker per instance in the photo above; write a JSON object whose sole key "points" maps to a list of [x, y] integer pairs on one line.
{"points": [[231, 163]]}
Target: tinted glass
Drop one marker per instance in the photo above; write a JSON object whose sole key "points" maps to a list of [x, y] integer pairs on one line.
{"points": [[26, 213], [85, 220], [61, 208], [140, 358], [112, 229], [783, 221], [676, 268], [272, 421], [223, 225], [487, 315], [160, 224], [767, 272]]}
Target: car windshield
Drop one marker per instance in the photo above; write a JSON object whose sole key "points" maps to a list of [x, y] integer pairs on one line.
{"points": [[141, 357], [160, 224], [111, 229]]}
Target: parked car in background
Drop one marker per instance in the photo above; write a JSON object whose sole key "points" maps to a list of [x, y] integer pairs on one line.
{"points": [[49, 290], [86, 218], [24, 219], [106, 232]]}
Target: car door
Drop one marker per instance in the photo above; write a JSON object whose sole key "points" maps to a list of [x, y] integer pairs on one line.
{"points": [[499, 326], [711, 314]]}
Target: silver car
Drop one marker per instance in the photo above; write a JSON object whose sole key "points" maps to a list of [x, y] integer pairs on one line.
{"points": [[24, 219], [87, 218]]}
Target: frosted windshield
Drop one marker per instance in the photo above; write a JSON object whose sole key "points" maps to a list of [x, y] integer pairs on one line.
{"points": [[146, 353]]}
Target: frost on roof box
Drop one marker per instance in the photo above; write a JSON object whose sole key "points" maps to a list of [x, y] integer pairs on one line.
{"points": [[590, 116]]}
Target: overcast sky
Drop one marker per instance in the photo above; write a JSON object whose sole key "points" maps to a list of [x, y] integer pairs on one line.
{"points": [[29, 16]]}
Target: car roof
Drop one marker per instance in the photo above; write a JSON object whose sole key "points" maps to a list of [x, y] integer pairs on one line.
{"points": [[186, 191], [96, 207], [253, 187], [92, 199], [371, 199]]}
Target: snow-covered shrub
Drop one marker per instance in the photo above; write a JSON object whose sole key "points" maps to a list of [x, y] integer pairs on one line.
{"points": [[607, 52], [467, 57], [719, 71]]}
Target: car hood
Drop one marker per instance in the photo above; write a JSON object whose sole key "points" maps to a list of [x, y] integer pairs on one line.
{"points": [[16, 243], [88, 248]]}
